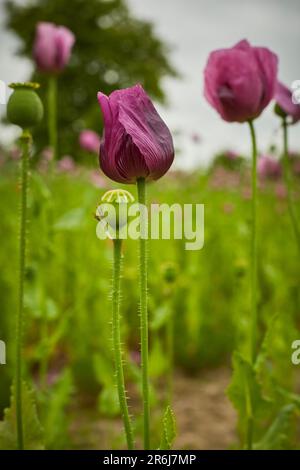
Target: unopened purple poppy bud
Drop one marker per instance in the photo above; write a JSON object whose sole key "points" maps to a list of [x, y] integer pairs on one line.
{"points": [[136, 142], [284, 104], [52, 47], [240, 81]]}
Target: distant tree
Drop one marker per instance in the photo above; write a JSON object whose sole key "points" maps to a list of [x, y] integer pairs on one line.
{"points": [[112, 50]]}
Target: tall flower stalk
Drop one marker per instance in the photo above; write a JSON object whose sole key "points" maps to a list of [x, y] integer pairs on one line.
{"points": [[288, 181], [253, 275], [253, 330], [117, 342], [24, 109], [52, 50], [289, 112], [143, 270], [52, 116], [115, 204], [239, 83], [25, 144], [136, 147]]}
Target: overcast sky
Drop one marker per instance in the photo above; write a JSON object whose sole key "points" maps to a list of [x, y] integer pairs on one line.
{"points": [[193, 28]]}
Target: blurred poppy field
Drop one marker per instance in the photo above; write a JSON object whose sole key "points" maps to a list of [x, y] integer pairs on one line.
{"points": [[223, 349]]}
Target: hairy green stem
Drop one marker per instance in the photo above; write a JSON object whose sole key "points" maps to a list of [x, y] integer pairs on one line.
{"points": [[253, 275], [25, 143], [141, 188], [253, 331], [117, 343], [288, 182], [170, 349], [52, 115]]}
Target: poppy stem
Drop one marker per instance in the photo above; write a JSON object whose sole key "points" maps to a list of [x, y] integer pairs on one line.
{"points": [[117, 342], [52, 116], [141, 188], [25, 144], [170, 349], [253, 273], [253, 336], [288, 182]]}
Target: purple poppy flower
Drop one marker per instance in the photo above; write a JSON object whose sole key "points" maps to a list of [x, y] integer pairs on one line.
{"points": [[268, 167], [240, 81], [136, 142], [283, 98], [89, 141], [52, 47]]}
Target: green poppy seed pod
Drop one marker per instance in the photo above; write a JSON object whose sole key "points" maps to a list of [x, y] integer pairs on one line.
{"points": [[24, 107], [114, 208]]}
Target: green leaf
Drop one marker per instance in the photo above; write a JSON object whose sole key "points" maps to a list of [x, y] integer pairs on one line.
{"points": [[276, 437], [55, 417], [41, 189], [168, 430], [158, 361], [245, 391], [267, 343], [71, 220], [103, 367], [109, 401], [160, 317], [33, 435]]}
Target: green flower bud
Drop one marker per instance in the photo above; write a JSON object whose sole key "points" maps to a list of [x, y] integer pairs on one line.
{"points": [[240, 267], [114, 208], [279, 111], [170, 272], [24, 107]]}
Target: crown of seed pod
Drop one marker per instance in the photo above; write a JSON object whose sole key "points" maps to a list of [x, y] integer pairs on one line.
{"points": [[24, 107], [114, 208]]}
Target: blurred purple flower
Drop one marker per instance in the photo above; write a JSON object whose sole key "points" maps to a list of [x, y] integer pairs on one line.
{"points": [[15, 153], [46, 158], [240, 81], [280, 191], [89, 141], [222, 178], [196, 138], [296, 168], [97, 179], [247, 193], [228, 208], [268, 168], [66, 164], [52, 47], [135, 357], [136, 142], [47, 154], [231, 155], [283, 98]]}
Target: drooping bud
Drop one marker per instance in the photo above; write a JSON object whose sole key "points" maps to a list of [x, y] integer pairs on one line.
{"points": [[279, 111], [24, 107]]}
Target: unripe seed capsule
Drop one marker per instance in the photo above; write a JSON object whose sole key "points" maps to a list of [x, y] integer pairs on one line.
{"points": [[24, 107]]}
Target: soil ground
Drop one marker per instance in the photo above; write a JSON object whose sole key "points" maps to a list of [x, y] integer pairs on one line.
{"points": [[205, 418]]}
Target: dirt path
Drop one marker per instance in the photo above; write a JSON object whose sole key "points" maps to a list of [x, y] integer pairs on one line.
{"points": [[205, 417]]}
